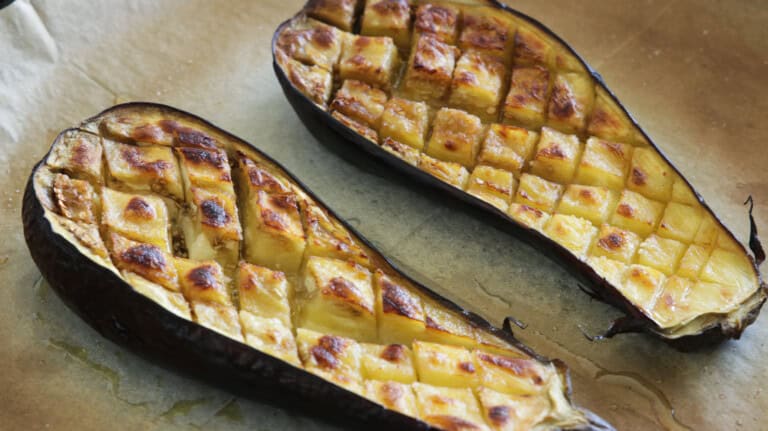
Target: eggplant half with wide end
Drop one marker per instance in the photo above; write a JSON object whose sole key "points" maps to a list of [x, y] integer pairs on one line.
{"points": [[490, 106], [191, 247]]}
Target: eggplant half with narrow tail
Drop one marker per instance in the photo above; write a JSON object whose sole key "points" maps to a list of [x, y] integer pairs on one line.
{"points": [[191, 247], [490, 106]]}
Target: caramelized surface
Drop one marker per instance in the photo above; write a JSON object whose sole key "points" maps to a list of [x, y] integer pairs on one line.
{"points": [[223, 237], [517, 121]]}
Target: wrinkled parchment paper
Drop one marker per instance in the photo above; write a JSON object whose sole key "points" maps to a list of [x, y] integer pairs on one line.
{"points": [[692, 72]]}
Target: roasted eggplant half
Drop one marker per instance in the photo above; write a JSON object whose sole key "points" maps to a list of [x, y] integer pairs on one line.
{"points": [[191, 247], [490, 106]]}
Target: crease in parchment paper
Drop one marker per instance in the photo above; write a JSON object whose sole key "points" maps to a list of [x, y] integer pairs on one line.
{"points": [[29, 31], [94, 79], [28, 52]]}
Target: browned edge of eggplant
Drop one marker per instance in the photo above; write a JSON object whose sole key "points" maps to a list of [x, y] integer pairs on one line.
{"points": [[319, 121], [121, 314]]}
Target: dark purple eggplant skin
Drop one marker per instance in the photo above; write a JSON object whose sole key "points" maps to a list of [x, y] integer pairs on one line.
{"points": [[124, 316], [336, 135], [119, 313]]}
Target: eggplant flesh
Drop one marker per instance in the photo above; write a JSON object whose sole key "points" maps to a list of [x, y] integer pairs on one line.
{"points": [[191, 247], [487, 104]]}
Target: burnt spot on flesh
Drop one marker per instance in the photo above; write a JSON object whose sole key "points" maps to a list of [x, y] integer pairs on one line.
{"points": [[273, 219], [308, 81], [132, 156], [349, 106], [396, 300], [326, 352], [519, 100], [467, 367], [587, 195], [286, 201], [625, 210], [602, 119], [298, 80], [168, 126], [465, 78], [83, 153], [499, 415], [639, 177], [433, 19], [537, 89], [324, 358], [358, 60], [247, 281], [345, 290], [612, 241], [529, 47], [391, 392], [145, 256], [73, 198], [260, 178], [291, 41], [432, 324], [393, 353], [486, 40], [362, 41], [323, 37], [529, 87], [199, 156], [273, 338], [394, 146], [186, 136], [421, 64], [498, 188], [451, 145], [560, 229], [519, 367], [535, 211], [439, 400], [487, 33], [193, 138], [213, 213], [340, 245], [391, 8], [553, 152], [562, 104], [615, 149], [504, 131], [430, 51], [642, 277], [203, 277], [139, 208], [147, 133]]}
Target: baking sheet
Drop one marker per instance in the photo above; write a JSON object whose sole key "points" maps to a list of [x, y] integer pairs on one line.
{"points": [[692, 72]]}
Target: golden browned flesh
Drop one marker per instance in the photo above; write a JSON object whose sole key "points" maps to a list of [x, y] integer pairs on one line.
{"points": [[215, 233], [492, 104]]}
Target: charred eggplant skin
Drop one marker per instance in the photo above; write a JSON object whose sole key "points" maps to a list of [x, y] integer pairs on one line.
{"points": [[121, 314], [328, 130]]}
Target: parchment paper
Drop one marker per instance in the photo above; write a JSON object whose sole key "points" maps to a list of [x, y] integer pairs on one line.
{"points": [[693, 73]]}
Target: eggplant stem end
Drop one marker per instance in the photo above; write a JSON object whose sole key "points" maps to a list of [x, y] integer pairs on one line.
{"points": [[754, 240]]}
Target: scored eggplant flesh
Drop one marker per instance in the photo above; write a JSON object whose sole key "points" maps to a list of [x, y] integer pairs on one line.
{"points": [[492, 103], [201, 243]]}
